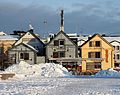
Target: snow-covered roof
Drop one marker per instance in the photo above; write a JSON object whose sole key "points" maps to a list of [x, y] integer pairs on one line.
{"points": [[31, 47], [110, 39], [72, 34], [7, 37], [2, 33]]}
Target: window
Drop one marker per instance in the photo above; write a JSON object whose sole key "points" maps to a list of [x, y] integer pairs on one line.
{"points": [[97, 54], [61, 42], [56, 43], [93, 66], [58, 54], [90, 66], [93, 54], [21, 55], [24, 56], [97, 43], [117, 48], [118, 56], [62, 54], [55, 54], [97, 65], [94, 44], [91, 44]]}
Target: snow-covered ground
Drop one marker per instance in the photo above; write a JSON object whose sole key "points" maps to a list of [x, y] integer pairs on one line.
{"points": [[53, 79], [61, 86]]}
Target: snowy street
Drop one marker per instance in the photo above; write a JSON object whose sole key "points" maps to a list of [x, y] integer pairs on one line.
{"points": [[61, 86]]}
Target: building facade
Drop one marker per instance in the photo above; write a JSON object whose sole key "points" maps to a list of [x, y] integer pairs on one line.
{"points": [[31, 39], [115, 41], [22, 52], [6, 42], [97, 54], [62, 50]]}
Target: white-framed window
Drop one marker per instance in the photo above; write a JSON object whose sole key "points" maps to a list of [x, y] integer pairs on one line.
{"points": [[24, 56]]}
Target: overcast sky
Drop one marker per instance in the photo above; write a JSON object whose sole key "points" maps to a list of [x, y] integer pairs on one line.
{"points": [[81, 16]]}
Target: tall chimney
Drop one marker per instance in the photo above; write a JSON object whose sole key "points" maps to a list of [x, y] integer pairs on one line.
{"points": [[62, 21]]}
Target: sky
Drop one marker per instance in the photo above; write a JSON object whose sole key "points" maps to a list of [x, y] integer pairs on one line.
{"points": [[80, 16]]}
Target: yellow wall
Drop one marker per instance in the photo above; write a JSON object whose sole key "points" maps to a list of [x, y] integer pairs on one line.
{"points": [[6, 44], [104, 65]]}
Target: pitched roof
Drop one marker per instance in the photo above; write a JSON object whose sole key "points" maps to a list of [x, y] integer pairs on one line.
{"points": [[26, 45], [110, 39], [31, 32], [93, 37], [115, 41], [64, 35]]}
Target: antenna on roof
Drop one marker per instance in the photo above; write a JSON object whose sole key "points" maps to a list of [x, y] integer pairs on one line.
{"points": [[62, 21]]}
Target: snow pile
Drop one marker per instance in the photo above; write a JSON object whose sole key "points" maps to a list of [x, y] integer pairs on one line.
{"points": [[24, 69], [110, 73]]}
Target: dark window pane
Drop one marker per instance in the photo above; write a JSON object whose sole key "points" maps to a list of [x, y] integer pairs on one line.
{"points": [[97, 43], [117, 47], [26, 56], [97, 65], [97, 54], [55, 54], [90, 44], [56, 43], [118, 56], [21, 55], [61, 42], [62, 54], [91, 54]]}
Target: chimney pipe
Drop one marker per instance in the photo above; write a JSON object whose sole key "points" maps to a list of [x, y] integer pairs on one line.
{"points": [[62, 21]]}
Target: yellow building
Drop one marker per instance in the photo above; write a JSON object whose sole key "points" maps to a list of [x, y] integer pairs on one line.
{"points": [[97, 54], [6, 42]]}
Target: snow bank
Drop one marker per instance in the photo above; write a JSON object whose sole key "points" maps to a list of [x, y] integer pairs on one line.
{"points": [[110, 73], [24, 69]]}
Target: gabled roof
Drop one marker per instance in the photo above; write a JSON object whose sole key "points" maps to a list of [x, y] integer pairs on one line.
{"points": [[31, 32], [115, 41], [26, 45], [93, 37], [64, 35]]}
